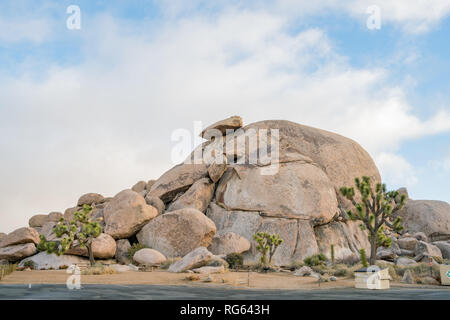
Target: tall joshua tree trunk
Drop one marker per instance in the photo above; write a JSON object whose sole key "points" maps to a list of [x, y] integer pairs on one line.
{"points": [[373, 249], [90, 253]]}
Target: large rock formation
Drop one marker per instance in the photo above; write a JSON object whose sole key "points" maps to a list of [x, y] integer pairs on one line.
{"points": [[103, 247], [149, 257], [428, 216], [43, 261], [177, 180], [198, 196], [274, 176], [178, 232], [126, 214], [17, 252], [194, 259], [20, 236]]}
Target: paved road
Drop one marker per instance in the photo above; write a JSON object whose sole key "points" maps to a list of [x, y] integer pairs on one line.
{"points": [[153, 292]]}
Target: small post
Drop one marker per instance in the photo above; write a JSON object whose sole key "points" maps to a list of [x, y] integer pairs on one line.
{"points": [[248, 277]]}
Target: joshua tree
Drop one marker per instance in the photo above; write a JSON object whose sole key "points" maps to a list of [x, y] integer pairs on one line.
{"points": [[363, 257], [78, 232], [377, 210], [267, 244]]}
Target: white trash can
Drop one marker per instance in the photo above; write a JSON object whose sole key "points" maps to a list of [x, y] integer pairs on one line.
{"points": [[372, 278]]}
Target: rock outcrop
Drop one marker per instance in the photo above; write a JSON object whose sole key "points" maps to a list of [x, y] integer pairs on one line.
{"points": [[177, 180], [430, 217], [17, 252], [178, 232], [90, 198], [126, 214], [195, 259], [20, 236], [198, 196], [103, 247], [274, 176], [228, 242], [149, 257], [45, 261], [122, 247]]}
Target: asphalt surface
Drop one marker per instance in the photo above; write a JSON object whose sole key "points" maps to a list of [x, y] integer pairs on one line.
{"points": [[153, 292]]}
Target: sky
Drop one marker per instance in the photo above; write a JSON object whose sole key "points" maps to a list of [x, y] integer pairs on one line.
{"points": [[93, 109]]}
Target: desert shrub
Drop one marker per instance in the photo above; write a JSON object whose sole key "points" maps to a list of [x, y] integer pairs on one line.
{"points": [[296, 265], [315, 260], [134, 248], [192, 277], [166, 264], [217, 262], [234, 260], [98, 269], [341, 270], [29, 264]]}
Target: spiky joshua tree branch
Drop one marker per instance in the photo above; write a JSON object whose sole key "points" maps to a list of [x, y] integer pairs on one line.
{"points": [[78, 232], [377, 210]]}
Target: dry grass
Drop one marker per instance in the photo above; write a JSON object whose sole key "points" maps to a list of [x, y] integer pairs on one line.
{"points": [[166, 264], [192, 277], [6, 269], [98, 270]]}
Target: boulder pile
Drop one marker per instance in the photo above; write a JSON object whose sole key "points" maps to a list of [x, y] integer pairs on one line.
{"points": [[202, 210]]}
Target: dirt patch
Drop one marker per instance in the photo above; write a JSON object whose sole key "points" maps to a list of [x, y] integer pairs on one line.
{"points": [[160, 277]]}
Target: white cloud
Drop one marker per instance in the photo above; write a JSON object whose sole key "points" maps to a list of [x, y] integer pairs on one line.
{"points": [[412, 16], [396, 171], [442, 164], [18, 30], [106, 123]]}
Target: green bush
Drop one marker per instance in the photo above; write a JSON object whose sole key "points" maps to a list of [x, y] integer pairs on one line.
{"points": [[134, 248], [29, 264], [341, 270], [315, 260], [234, 260]]}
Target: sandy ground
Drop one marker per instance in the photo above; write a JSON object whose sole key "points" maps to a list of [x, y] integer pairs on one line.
{"points": [[253, 280], [159, 277]]}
